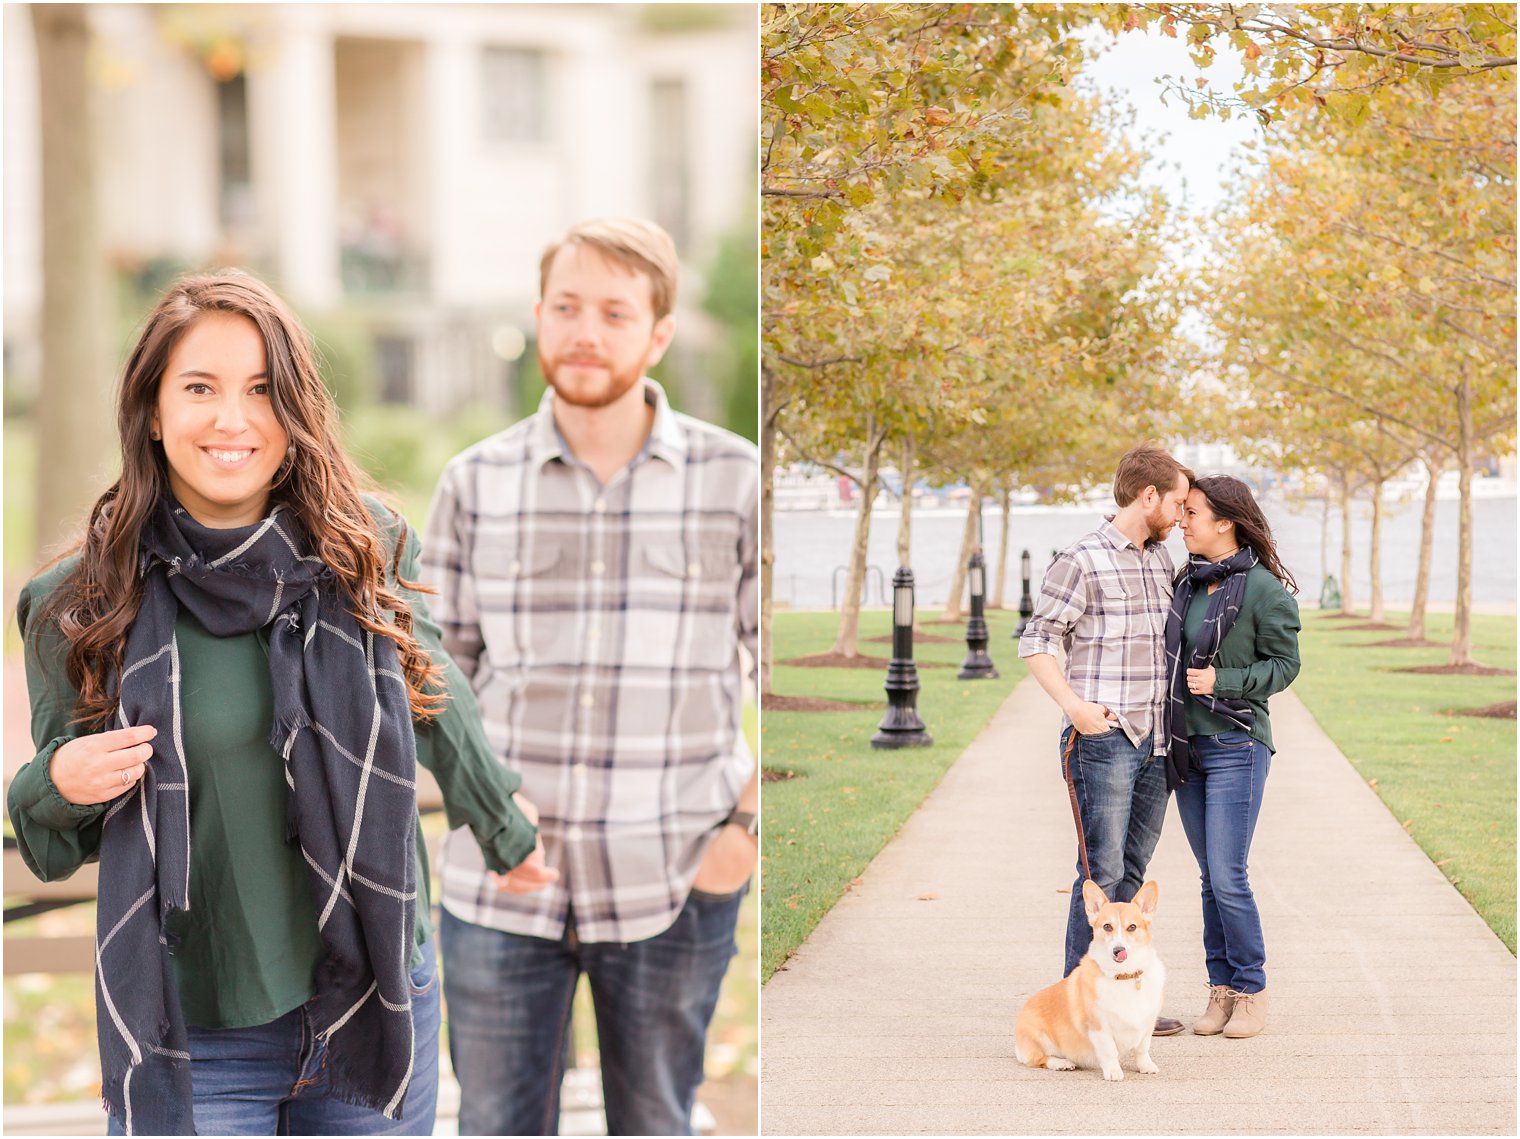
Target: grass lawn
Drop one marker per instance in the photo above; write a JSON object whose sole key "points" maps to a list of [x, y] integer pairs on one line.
{"points": [[848, 799], [1449, 779]]}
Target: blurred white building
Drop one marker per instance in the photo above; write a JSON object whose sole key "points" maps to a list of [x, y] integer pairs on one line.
{"points": [[404, 162]]}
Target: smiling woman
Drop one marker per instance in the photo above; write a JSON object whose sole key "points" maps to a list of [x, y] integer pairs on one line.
{"points": [[222, 441], [238, 625]]}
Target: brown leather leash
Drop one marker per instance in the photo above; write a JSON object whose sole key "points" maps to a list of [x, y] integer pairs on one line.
{"points": [[1071, 790]]}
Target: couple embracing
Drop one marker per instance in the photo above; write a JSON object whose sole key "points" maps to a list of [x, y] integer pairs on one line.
{"points": [[1164, 689]]}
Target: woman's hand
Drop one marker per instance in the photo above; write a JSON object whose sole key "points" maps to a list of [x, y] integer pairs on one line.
{"points": [[532, 873], [1200, 681], [728, 861], [97, 768]]}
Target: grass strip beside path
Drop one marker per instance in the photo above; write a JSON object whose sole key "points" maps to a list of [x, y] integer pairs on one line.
{"points": [[1449, 779], [821, 828]]}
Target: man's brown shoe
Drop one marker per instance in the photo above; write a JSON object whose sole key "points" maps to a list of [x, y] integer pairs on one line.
{"points": [[1166, 1026], [1217, 1015], [1249, 1017]]}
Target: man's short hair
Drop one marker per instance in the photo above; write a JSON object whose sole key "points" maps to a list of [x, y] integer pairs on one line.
{"points": [[634, 243], [1145, 466]]}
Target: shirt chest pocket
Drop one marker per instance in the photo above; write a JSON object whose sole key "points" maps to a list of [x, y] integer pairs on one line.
{"points": [[1118, 619], [525, 593], [681, 604]]}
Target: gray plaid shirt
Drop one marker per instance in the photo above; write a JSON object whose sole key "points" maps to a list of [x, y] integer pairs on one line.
{"points": [[600, 628], [1105, 602]]}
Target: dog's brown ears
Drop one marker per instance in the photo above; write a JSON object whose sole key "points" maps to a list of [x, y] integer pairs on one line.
{"points": [[1146, 898], [1093, 898]]}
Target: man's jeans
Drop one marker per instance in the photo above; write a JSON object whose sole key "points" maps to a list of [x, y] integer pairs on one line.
{"points": [[1219, 809], [1121, 795], [509, 1011], [271, 1079]]}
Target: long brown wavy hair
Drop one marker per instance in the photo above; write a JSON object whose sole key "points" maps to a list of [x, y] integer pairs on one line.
{"points": [[1232, 500], [99, 599]]}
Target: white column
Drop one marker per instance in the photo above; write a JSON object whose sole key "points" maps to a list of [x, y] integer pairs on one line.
{"points": [[450, 123], [294, 120]]}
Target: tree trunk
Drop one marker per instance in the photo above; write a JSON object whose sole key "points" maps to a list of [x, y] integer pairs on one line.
{"points": [[1006, 491], [1461, 634], [768, 414], [1324, 538], [1346, 545], [905, 508], [76, 452], [1375, 613], [953, 610], [847, 641], [1416, 630]]}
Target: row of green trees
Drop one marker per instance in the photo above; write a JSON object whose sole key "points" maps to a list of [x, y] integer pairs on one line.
{"points": [[963, 275]]}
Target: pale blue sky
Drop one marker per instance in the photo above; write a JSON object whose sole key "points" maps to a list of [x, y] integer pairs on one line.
{"points": [[1194, 158]]}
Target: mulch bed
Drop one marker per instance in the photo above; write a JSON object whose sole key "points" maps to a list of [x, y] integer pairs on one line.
{"points": [[1341, 617], [769, 702], [1369, 627], [1401, 643], [839, 660], [1504, 711], [921, 639], [1458, 670], [771, 775]]}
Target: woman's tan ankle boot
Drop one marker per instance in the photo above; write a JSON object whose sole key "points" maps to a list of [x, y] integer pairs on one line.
{"points": [[1217, 1015], [1249, 1017]]}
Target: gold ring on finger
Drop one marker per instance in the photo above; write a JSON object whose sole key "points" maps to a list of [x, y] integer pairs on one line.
{"points": [[125, 780]]}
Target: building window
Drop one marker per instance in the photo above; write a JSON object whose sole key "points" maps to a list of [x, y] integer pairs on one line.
{"points": [[233, 164], [669, 176], [515, 106]]}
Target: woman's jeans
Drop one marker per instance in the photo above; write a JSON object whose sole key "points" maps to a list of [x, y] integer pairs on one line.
{"points": [[271, 1079], [509, 1000], [1219, 808], [1121, 795]]}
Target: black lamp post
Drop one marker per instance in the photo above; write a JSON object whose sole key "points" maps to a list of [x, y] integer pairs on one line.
{"points": [[1026, 602], [901, 727], [977, 665]]}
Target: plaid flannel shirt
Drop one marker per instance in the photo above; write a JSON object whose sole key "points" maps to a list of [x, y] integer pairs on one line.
{"points": [[1105, 601], [600, 628]]}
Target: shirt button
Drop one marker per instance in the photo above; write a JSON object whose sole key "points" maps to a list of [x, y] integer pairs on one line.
{"points": [[600, 506], [694, 570], [593, 635], [515, 568], [579, 771], [597, 567], [573, 834], [587, 700]]}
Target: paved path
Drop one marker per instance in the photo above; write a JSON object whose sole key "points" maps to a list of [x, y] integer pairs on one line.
{"points": [[1393, 1005]]}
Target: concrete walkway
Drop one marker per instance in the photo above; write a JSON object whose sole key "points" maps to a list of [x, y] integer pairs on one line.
{"points": [[1393, 1005]]}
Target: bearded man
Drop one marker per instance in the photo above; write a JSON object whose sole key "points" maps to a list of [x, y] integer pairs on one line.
{"points": [[1104, 602], [597, 570]]}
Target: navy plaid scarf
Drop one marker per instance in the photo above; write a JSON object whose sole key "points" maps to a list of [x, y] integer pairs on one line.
{"points": [[343, 725], [1224, 607]]}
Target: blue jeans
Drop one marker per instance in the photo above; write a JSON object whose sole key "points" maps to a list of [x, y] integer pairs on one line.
{"points": [[1121, 795], [1219, 809], [509, 1012], [271, 1079]]}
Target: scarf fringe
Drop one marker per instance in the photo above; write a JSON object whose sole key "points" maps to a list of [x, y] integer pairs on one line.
{"points": [[151, 1052], [297, 720]]}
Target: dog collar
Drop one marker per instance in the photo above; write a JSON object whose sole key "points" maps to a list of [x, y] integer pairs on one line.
{"points": [[1135, 976]]}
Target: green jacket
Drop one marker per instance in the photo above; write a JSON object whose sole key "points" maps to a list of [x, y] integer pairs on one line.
{"points": [[248, 945], [1259, 655]]}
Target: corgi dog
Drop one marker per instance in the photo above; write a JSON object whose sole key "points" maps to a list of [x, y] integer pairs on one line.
{"points": [[1104, 1010]]}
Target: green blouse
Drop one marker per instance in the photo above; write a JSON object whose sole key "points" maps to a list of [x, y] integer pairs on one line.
{"points": [[1259, 655], [248, 945]]}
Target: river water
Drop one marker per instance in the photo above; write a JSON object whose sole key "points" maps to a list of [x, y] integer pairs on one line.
{"points": [[813, 546]]}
